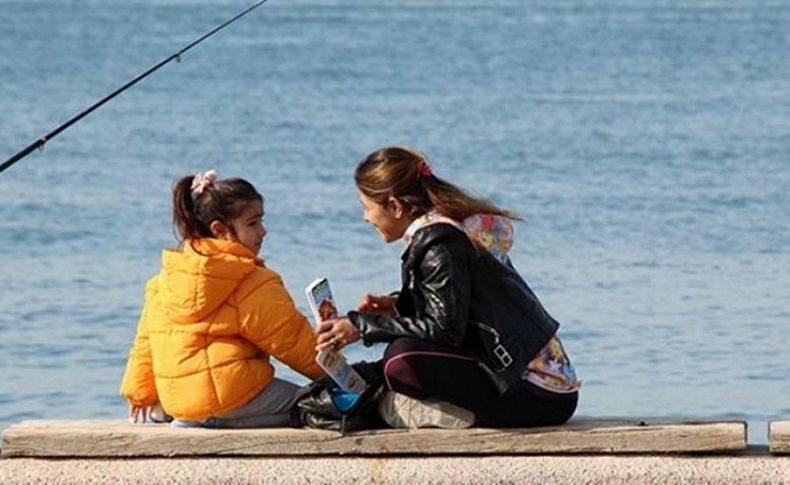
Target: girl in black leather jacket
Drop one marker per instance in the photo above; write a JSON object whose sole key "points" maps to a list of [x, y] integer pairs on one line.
{"points": [[465, 328]]}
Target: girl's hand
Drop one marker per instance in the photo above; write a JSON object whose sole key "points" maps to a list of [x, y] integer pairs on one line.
{"points": [[136, 412], [382, 304], [336, 333]]}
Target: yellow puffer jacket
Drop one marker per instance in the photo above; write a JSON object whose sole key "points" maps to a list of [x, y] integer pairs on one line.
{"points": [[212, 318]]}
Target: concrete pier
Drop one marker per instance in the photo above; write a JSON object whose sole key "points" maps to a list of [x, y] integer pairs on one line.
{"points": [[584, 451], [90, 439], [752, 467]]}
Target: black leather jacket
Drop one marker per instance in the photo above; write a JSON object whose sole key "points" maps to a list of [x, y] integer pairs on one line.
{"points": [[457, 295]]}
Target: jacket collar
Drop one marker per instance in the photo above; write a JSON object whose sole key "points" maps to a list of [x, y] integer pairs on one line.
{"points": [[425, 220], [425, 236]]}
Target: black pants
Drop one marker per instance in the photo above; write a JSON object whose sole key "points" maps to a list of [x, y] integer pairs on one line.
{"points": [[422, 369]]}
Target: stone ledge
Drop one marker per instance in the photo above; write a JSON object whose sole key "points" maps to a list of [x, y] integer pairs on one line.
{"points": [[779, 437], [581, 436]]}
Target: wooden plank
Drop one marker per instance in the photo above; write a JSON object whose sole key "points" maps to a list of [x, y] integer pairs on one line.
{"points": [[580, 436], [779, 437]]}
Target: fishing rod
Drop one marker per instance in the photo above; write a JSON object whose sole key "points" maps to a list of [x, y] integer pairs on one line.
{"points": [[175, 56]]}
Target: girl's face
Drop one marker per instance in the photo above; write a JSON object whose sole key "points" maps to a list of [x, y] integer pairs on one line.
{"points": [[390, 220], [247, 228]]}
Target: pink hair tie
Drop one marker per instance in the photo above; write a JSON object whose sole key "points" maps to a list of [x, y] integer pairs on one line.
{"points": [[425, 169], [201, 181]]}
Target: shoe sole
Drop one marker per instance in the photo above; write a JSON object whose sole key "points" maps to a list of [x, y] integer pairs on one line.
{"points": [[407, 412]]}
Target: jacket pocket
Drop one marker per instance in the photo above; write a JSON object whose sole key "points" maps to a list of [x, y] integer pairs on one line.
{"points": [[494, 352]]}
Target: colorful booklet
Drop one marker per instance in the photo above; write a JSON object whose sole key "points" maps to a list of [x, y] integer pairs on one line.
{"points": [[319, 296]]}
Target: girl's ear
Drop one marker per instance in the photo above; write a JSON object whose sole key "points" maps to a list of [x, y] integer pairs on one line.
{"points": [[219, 229], [397, 207]]}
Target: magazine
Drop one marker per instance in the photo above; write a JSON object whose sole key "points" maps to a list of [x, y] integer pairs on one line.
{"points": [[319, 296]]}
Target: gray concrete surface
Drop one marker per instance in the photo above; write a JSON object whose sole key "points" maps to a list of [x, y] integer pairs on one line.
{"points": [[755, 467]]}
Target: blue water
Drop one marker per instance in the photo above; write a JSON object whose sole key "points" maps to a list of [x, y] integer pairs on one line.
{"points": [[647, 144]]}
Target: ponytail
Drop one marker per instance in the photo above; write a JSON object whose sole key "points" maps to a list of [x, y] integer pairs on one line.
{"points": [[404, 173], [186, 222]]}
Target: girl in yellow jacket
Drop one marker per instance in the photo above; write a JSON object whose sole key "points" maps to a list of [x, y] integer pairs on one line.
{"points": [[214, 315]]}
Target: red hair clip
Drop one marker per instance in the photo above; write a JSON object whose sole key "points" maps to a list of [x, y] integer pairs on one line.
{"points": [[425, 170]]}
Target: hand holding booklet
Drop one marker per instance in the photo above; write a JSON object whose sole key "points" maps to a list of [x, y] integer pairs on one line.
{"points": [[319, 296]]}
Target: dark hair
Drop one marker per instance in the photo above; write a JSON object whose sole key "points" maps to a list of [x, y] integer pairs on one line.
{"points": [[221, 200], [404, 173]]}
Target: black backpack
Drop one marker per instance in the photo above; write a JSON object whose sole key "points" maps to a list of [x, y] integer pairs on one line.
{"points": [[314, 406]]}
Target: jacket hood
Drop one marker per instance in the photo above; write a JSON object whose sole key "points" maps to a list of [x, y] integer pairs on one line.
{"points": [[495, 233], [492, 232], [198, 278]]}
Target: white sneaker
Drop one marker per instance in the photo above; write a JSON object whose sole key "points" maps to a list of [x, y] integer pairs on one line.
{"points": [[158, 414], [401, 411]]}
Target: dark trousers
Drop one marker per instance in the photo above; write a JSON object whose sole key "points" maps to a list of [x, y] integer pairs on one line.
{"points": [[422, 369]]}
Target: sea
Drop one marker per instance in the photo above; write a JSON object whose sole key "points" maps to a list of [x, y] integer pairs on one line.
{"points": [[646, 144]]}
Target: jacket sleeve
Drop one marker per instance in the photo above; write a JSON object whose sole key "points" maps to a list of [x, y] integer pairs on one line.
{"points": [[275, 326], [138, 385], [444, 284]]}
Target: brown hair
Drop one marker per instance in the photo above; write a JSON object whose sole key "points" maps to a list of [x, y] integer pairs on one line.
{"points": [[404, 173], [221, 200]]}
